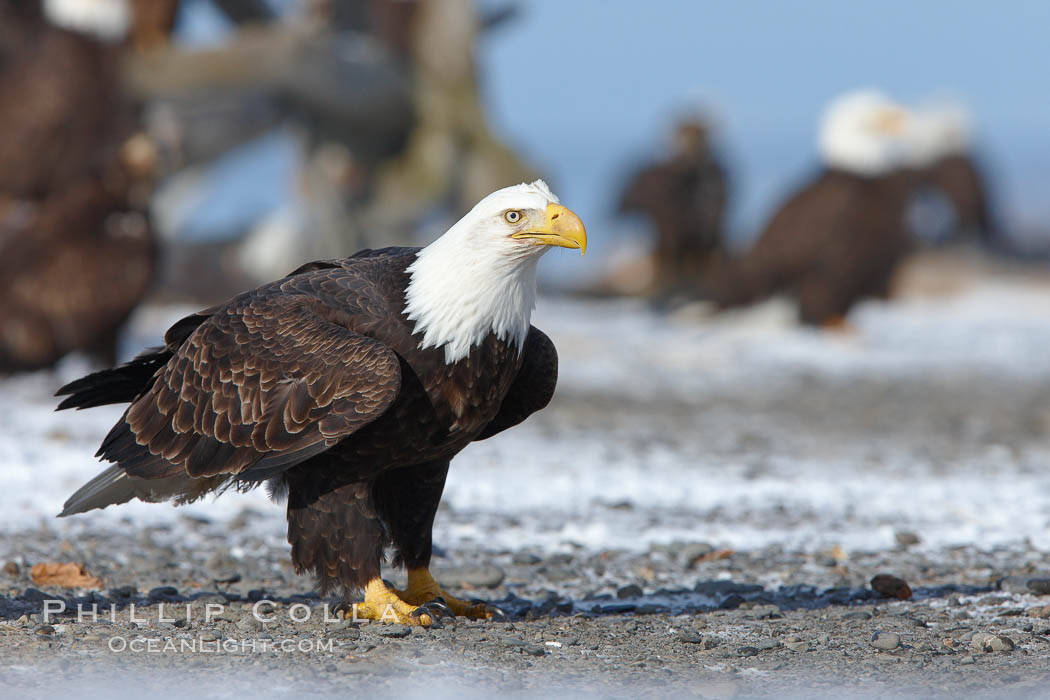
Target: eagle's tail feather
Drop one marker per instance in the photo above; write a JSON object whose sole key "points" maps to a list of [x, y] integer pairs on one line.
{"points": [[121, 384], [113, 486]]}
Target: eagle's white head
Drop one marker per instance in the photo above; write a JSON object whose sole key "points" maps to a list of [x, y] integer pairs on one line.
{"points": [[863, 132], [480, 276], [106, 20], [939, 130]]}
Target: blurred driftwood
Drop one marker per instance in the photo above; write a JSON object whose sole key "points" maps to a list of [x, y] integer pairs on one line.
{"points": [[340, 86]]}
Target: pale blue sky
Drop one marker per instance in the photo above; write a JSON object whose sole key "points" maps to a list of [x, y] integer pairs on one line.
{"points": [[583, 86]]}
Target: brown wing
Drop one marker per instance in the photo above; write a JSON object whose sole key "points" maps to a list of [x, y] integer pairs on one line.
{"points": [[265, 382], [533, 386]]}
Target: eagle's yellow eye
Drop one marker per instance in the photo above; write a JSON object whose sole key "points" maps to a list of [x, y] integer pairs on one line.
{"points": [[512, 216]]}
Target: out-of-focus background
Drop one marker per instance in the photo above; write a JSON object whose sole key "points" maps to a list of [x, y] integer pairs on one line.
{"points": [[784, 202], [811, 327], [841, 195]]}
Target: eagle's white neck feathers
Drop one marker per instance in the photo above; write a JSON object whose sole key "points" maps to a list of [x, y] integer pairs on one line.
{"points": [[106, 20], [475, 280]]}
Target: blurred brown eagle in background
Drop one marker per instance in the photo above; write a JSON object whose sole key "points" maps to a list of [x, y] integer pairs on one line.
{"points": [[348, 386], [76, 248], [685, 195]]}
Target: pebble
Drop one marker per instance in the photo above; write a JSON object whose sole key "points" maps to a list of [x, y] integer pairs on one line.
{"points": [[885, 640], [763, 612], [1041, 612], [988, 643], [630, 591], [1019, 584], [513, 642], [690, 636], [891, 586], [210, 636], [534, 650], [46, 631], [525, 559], [11, 569], [857, 615], [393, 631], [906, 538], [796, 645], [1039, 586], [967, 661]]}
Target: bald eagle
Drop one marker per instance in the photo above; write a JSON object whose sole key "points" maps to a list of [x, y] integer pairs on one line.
{"points": [[942, 152], [348, 386], [685, 196], [838, 238]]}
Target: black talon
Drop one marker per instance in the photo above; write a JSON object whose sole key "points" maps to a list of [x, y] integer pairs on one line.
{"points": [[497, 613], [435, 620], [438, 608]]}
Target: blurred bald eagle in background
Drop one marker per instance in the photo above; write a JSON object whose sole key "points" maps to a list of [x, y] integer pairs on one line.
{"points": [[943, 152], [76, 248], [838, 238], [685, 196], [348, 385]]}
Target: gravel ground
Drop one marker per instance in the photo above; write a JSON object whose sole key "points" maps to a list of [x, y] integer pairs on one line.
{"points": [[691, 616]]}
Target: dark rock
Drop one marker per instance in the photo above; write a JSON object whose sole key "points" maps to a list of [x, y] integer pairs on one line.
{"points": [[46, 631], [630, 591], [163, 593], [732, 602], [716, 588], [747, 651], [123, 593], [393, 631], [35, 595], [534, 650], [891, 586], [650, 609], [886, 641]]}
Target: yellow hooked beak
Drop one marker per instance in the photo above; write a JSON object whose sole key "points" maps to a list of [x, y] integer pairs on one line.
{"points": [[561, 227], [891, 121]]}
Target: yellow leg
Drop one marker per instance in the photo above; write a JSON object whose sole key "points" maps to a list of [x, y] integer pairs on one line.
{"points": [[382, 603], [422, 588]]}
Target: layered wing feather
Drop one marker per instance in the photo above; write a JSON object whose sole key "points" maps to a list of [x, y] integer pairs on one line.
{"points": [[265, 382]]}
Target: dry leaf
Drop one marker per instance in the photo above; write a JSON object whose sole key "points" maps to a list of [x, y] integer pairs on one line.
{"points": [[715, 555], [64, 575]]}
